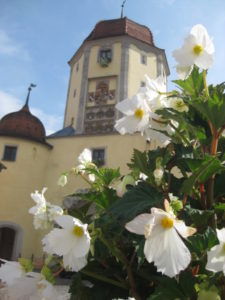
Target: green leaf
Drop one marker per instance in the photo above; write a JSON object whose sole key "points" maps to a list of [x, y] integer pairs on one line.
{"points": [[167, 289], [139, 161], [213, 110], [219, 186], [210, 165], [198, 217], [203, 242], [193, 85], [187, 283], [26, 264], [47, 273], [137, 200], [220, 206]]}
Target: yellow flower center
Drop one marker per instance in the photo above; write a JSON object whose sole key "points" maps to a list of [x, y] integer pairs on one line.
{"points": [[78, 231], [167, 223], [139, 113], [197, 49]]}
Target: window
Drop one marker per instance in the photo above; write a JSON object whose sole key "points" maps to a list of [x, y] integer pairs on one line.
{"points": [[77, 67], [74, 93], [143, 59], [105, 57], [10, 153], [142, 84], [98, 157]]}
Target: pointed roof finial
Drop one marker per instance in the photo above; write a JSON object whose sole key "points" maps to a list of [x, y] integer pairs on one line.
{"points": [[122, 6], [28, 94]]}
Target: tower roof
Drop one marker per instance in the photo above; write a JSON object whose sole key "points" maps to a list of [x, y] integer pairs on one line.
{"points": [[122, 26], [22, 124], [118, 27]]}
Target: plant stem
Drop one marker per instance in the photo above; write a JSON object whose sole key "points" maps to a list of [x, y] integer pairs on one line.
{"points": [[182, 137], [105, 279], [205, 83], [210, 187]]}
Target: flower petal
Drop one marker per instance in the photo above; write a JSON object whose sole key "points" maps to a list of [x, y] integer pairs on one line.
{"points": [[58, 241], [138, 224], [168, 252]]}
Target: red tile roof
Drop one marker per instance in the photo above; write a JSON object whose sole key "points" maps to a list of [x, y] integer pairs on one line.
{"points": [[123, 26]]}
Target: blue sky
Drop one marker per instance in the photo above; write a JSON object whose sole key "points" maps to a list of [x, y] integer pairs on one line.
{"points": [[37, 38]]}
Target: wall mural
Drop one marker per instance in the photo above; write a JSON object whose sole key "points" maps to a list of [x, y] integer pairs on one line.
{"points": [[100, 109]]}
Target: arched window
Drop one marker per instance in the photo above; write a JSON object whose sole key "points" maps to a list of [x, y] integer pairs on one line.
{"points": [[11, 236]]}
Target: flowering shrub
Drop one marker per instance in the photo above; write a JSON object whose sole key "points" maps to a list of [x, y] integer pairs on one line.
{"points": [[157, 233]]}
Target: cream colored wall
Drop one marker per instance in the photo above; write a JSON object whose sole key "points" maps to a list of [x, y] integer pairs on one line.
{"points": [[22, 177], [137, 70], [75, 84], [118, 149], [94, 68]]}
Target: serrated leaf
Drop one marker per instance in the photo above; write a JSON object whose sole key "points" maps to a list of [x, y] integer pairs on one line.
{"points": [[210, 165], [138, 199], [167, 289], [193, 85], [26, 264], [198, 217], [213, 110], [47, 273], [203, 242]]}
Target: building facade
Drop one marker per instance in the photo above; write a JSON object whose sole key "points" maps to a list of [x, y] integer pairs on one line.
{"points": [[108, 67]]}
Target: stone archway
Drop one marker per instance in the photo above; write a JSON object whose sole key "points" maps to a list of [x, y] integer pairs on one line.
{"points": [[11, 237]]}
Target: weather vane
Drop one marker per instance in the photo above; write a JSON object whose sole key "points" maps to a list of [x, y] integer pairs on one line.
{"points": [[28, 94], [122, 6]]}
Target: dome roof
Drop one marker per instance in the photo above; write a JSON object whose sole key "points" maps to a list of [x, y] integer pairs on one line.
{"points": [[122, 26], [22, 124]]}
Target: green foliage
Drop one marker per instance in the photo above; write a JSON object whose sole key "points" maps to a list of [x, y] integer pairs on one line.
{"points": [[201, 171], [198, 217], [200, 243], [193, 85], [194, 172], [26, 264], [47, 273], [138, 199]]}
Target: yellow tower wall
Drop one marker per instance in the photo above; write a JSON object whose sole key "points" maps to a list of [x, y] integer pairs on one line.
{"points": [[22, 177], [74, 85], [137, 70]]}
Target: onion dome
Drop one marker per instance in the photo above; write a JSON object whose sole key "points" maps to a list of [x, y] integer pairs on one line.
{"points": [[23, 124]]}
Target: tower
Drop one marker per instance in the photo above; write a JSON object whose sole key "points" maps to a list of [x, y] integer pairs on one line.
{"points": [[108, 67]]}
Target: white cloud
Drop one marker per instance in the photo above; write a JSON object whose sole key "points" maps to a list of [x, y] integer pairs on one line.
{"points": [[9, 103], [11, 48]]}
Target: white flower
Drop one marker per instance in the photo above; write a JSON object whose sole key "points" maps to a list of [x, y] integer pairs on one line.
{"points": [[142, 176], [85, 161], [158, 174], [44, 212], [216, 255], [54, 211], [40, 201], [197, 49], [72, 242], [121, 187], [154, 135], [41, 221], [136, 111], [62, 181], [183, 72], [178, 104], [155, 92], [163, 245], [11, 271]]}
